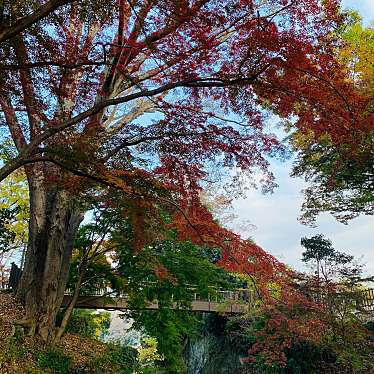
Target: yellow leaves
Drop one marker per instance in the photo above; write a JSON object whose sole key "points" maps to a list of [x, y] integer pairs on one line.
{"points": [[148, 353], [297, 107], [358, 55], [113, 180], [302, 140], [275, 290], [14, 192]]}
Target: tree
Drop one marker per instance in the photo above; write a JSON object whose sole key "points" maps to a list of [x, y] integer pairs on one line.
{"points": [[90, 269], [141, 96], [164, 270], [280, 334], [331, 265], [339, 276], [339, 292], [341, 176], [320, 250]]}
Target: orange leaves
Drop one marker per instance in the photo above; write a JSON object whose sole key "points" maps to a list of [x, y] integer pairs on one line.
{"points": [[289, 315], [162, 273], [193, 61], [237, 255]]}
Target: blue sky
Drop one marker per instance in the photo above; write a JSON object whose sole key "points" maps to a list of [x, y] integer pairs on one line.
{"points": [[365, 7], [275, 216]]}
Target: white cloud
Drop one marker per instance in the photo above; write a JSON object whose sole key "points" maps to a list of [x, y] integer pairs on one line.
{"points": [[275, 216], [279, 232], [365, 7]]}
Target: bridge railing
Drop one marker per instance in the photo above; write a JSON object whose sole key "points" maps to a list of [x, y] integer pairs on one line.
{"points": [[366, 299], [363, 299], [217, 295]]}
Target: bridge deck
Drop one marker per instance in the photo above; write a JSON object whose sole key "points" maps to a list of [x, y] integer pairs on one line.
{"points": [[234, 301], [121, 303]]}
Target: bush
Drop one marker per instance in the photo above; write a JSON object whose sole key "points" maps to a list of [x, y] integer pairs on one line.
{"points": [[54, 360], [304, 357], [118, 359], [87, 323]]}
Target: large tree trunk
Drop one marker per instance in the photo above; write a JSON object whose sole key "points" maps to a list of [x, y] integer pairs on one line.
{"points": [[54, 221]]}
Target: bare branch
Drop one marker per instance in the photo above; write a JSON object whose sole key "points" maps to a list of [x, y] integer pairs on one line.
{"points": [[23, 23], [28, 151]]}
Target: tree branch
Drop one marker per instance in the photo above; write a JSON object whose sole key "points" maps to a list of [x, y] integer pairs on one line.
{"points": [[30, 150], [25, 22]]}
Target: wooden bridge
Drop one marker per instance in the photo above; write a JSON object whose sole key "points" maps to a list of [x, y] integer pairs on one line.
{"points": [[223, 301], [231, 302], [237, 301]]}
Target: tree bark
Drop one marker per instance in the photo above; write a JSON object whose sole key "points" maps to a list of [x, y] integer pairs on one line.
{"points": [[54, 221]]}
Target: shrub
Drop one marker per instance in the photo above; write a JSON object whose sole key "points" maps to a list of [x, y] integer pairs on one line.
{"points": [[55, 361], [87, 323], [118, 359], [304, 357]]}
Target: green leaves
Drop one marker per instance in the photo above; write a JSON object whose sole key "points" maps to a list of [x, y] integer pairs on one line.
{"points": [[317, 248], [339, 165], [167, 270], [7, 236]]}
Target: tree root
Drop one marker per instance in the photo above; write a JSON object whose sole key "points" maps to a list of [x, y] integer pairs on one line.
{"points": [[24, 324], [13, 332]]}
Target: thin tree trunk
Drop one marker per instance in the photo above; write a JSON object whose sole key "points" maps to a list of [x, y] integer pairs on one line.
{"points": [[52, 228], [70, 308]]}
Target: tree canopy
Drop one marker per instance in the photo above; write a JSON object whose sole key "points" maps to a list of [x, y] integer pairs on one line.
{"points": [[138, 105], [341, 175]]}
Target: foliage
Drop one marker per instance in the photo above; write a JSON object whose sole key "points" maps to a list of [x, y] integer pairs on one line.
{"points": [[340, 178], [331, 264], [333, 352], [148, 354], [328, 331], [54, 360], [278, 328], [156, 98], [87, 323], [170, 328], [317, 248], [358, 52], [341, 175], [98, 241], [7, 236], [97, 276], [338, 288], [338, 278], [220, 63], [165, 272], [14, 197], [169, 271], [121, 359], [307, 357]]}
